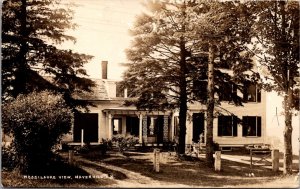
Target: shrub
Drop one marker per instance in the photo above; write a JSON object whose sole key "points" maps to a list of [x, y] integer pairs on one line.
{"points": [[8, 157], [107, 145], [36, 122], [123, 143], [83, 149]]}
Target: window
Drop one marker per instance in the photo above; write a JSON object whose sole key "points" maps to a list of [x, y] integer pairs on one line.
{"points": [[117, 126], [252, 93], [227, 126], [119, 90], [251, 126], [227, 92]]}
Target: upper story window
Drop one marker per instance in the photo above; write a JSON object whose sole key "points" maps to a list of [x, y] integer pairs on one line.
{"points": [[227, 125], [251, 126], [228, 92], [252, 93]]}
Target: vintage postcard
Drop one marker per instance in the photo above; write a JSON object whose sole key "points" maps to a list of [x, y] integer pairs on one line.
{"points": [[150, 94]]}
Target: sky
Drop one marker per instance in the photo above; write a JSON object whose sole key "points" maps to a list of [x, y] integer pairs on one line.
{"points": [[103, 33]]}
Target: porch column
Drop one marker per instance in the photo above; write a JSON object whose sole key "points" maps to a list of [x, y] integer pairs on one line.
{"points": [[110, 129], [166, 129], [145, 129], [172, 126], [141, 128]]}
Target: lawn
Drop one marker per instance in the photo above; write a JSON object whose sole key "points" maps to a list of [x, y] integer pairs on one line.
{"points": [[58, 173], [135, 169], [190, 171]]}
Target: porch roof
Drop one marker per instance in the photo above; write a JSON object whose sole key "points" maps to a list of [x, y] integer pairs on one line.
{"points": [[133, 110]]}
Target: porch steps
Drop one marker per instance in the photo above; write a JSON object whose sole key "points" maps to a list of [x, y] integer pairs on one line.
{"points": [[195, 148]]}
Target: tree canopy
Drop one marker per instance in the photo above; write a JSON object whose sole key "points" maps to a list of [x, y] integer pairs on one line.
{"points": [[169, 55], [31, 58], [276, 45]]}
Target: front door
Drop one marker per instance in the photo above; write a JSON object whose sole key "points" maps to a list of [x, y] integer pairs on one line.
{"points": [[88, 122]]}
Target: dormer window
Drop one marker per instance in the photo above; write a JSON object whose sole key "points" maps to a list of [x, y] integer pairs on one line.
{"points": [[119, 90]]}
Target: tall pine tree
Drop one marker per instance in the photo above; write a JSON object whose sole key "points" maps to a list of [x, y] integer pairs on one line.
{"points": [[169, 57], [161, 56], [223, 29], [31, 31]]}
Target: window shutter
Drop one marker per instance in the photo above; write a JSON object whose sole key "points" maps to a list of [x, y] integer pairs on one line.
{"points": [[234, 125], [258, 126], [258, 95], [245, 125], [220, 125]]}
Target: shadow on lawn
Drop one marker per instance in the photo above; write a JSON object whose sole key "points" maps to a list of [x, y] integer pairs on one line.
{"points": [[246, 157], [57, 173], [193, 171]]}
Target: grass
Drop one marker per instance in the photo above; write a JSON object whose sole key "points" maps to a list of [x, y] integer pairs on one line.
{"points": [[57, 173], [193, 171], [188, 171]]}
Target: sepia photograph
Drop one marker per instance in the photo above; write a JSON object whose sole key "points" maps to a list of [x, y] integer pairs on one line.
{"points": [[150, 94]]}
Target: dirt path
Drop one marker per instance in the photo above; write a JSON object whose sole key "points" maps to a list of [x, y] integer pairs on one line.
{"points": [[133, 179]]}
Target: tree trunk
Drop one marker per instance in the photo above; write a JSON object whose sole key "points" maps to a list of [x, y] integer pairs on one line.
{"points": [[182, 99], [288, 152], [288, 98], [210, 108], [20, 80], [182, 125]]}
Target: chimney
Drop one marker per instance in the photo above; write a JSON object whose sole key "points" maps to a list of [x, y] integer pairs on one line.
{"points": [[104, 69]]}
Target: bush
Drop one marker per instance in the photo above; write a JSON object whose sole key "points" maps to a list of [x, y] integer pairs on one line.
{"points": [[107, 145], [36, 122], [8, 157], [83, 149], [124, 143]]}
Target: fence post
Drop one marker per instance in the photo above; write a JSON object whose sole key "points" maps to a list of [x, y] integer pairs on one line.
{"points": [[156, 160], [82, 139], [218, 161], [250, 158], [71, 154], [275, 160]]}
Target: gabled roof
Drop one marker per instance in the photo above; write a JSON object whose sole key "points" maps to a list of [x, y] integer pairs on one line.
{"points": [[99, 92]]}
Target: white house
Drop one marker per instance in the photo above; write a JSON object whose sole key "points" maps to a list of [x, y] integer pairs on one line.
{"points": [[109, 117]]}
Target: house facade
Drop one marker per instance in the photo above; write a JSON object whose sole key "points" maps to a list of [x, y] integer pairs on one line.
{"points": [[109, 117]]}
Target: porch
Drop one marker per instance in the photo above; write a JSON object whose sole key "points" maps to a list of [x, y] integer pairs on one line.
{"points": [[152, 128]]}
